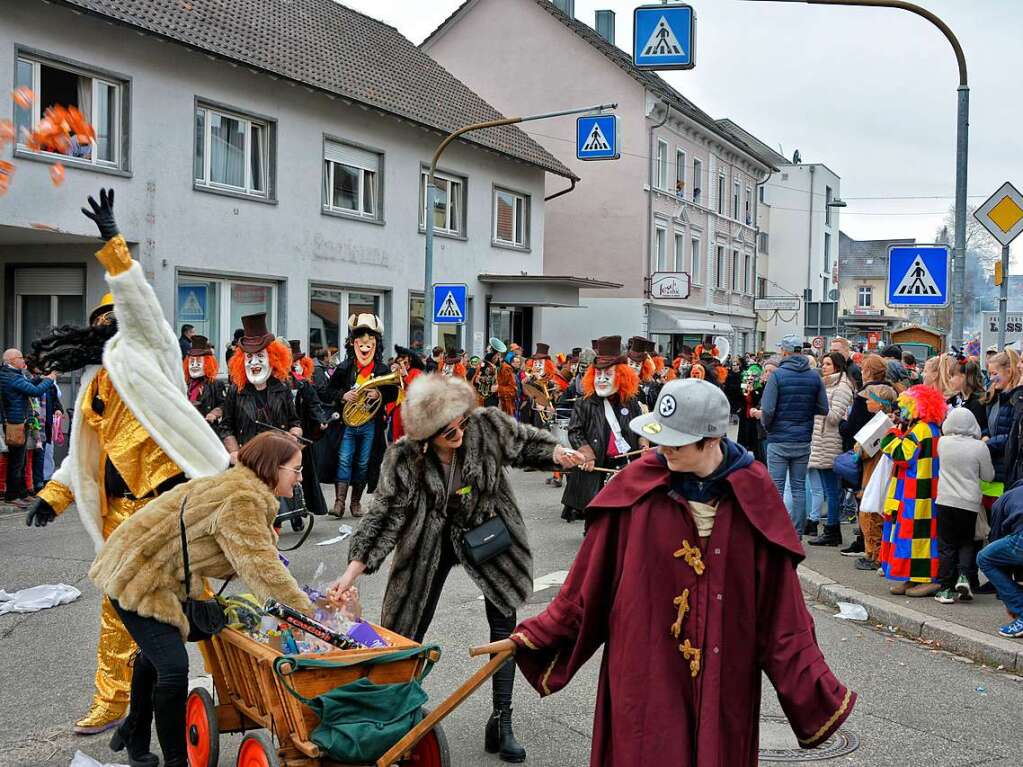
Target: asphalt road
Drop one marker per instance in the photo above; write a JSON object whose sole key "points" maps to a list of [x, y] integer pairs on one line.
{"points": [[917, 706]]}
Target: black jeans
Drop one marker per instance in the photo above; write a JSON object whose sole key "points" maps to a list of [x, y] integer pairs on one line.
{"points": [[37, 468], [500, 625], [956, 551], [159, 684], [16, 472]]}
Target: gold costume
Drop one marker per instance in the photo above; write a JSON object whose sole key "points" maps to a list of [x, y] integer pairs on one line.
{"points": [[144, 466]]}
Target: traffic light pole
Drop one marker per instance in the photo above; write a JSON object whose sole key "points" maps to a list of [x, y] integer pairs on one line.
{"points": [[962, 143], [431, 200], [1003, 299]]}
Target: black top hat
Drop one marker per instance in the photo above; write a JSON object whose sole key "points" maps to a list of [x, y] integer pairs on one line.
{"points": [[452, 356], [255, 337], [296, 350], [543, 352], [609, 352], [200, 347], [639, 348]]}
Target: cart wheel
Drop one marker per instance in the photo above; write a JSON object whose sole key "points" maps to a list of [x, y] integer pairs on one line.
{"points": [[257, 750], [201, 730], [431, 751]]}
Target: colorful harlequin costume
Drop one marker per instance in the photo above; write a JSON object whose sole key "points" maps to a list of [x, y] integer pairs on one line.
{"points": [[135, 434], [909, 544]]}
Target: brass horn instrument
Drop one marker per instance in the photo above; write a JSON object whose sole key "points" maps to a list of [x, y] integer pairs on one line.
{"points": [[361, 410]]}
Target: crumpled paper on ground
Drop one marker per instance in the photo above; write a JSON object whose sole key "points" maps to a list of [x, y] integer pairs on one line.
{"points": [[84, 760], [848, 611], [37, 598]]}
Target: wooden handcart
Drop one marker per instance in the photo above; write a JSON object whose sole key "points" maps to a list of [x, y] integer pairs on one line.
{"points": [[252, 699]]}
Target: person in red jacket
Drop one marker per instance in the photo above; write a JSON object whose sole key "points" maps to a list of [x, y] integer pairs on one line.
{"points": [[687, 577]]}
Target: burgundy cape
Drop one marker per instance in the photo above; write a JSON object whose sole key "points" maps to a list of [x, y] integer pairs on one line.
{"points": [[688, 626]]}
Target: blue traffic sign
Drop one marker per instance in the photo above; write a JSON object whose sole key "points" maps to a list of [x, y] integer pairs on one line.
{"points": [[596, 137], [919, 275], [664, 36], [449, 302]]}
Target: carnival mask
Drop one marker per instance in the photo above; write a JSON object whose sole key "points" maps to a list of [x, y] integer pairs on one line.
{"points": [[448, 369], [604, 382], [297, 370], [365, 348], [257, 367], [637, 366], [196, 368], [538, 368]]}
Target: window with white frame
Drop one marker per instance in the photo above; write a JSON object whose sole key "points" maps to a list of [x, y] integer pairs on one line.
{"points": [[697, 180], [747, 274], [449, 204], [100, 99], [661, 171], [749, 203], [828, 196], [680, 252], [680, 174], [864, 297], [721, 193], [735, 200], [351, 180], [214, 306], [511, 218], [735, 271], [232, 152], [660, 250], [694, 262], [719, 268], [827, 252]]}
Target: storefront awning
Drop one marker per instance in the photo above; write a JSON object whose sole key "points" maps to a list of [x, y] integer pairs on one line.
{"points": [[540, 289], [666, 322]]}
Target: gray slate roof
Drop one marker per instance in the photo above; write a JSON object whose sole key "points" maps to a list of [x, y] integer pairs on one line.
{"points": [[748, 138], [649, 80], [326, 46], [865, 258]]}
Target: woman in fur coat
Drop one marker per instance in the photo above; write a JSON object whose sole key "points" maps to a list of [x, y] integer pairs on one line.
{"points": [[228, 522], [446, 477]]}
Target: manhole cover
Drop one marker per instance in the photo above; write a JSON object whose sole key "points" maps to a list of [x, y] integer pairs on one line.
{"points": [[778, 744]]}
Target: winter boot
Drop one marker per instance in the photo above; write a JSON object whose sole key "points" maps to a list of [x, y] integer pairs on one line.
{"points": [[341, 495], [499, 738], [811, 528], [855, 548], [356, 507], [139, 754], [832, 536]]}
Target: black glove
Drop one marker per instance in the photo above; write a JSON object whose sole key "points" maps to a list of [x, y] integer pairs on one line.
{"points": [[103, 214], [40, 514]]}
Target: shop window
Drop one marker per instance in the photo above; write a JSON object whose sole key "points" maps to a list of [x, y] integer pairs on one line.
{"points": [[215, 306], [45, 298], [329, 310]]}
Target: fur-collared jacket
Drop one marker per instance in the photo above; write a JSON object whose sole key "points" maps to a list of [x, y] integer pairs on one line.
{"points": [[229, 528], [407, 516]]}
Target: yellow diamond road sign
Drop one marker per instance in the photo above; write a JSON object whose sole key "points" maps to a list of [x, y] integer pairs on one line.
{"points": [[1002, 214]]}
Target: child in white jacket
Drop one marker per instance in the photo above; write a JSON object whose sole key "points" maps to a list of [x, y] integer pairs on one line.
{"points": [[965, 462]]}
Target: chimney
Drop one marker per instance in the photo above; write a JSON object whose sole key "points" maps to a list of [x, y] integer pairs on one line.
{"points": [[606, 25], [567, 7]]}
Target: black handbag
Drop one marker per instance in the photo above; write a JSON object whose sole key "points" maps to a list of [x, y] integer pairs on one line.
{"points": [[206, 617], [482, 543]]}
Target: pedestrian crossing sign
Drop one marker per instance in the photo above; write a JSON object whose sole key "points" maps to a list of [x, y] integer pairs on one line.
{"points": [[596, 137], [449, 301], [919, 275], [664, 36]]}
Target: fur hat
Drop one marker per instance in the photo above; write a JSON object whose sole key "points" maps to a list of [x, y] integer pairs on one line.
{"points": [[432, 402]]}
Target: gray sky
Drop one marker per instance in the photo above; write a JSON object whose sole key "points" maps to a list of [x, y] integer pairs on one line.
{"points": [[869, 92]]}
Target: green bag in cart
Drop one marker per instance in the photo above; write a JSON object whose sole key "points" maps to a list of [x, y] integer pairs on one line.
{"points": [[360, 720]]}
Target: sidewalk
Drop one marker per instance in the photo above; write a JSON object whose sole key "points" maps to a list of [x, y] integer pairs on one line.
{"points": [[965, 628]]}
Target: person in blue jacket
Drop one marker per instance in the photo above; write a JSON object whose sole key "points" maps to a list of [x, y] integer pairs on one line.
{"points": [[1004, 554], [793, 395], [15, 390]]}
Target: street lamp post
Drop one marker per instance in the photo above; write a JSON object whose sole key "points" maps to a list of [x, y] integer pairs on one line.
{"points": [[962, 142], [431, 199]]}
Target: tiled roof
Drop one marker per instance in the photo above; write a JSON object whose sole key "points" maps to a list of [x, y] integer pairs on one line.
{"points": [[326, 46], [865, 258], [748, 138], [650, 80]]}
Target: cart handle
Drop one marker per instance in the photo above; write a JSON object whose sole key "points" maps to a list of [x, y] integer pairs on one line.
{"points": [[494, 648], [432, 719]]}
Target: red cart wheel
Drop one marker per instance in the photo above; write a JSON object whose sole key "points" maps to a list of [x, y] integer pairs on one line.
{"points": [[431, 751], [257, 750], [202, 734]]}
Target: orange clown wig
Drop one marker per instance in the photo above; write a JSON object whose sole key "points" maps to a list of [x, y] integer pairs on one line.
{"points": [[307, 367], [280, 363], [924, 403], [209, 367], [626, 381]]}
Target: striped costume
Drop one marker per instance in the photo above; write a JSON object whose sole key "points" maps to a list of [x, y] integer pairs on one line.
{"points": [[909, 544]]}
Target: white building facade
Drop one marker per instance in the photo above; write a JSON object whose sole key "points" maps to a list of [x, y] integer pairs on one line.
{"points": [[682, 197], [246, 184]]}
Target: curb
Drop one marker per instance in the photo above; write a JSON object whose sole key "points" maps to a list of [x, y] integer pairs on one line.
{"points": [[961, 640]]}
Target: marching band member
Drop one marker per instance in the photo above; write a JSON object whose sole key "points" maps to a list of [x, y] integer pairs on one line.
{"points": [[539, 405], [205, 391], [408, 365]]}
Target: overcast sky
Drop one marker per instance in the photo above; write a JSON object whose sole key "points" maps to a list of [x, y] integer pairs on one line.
{"points": [[869, 92]]}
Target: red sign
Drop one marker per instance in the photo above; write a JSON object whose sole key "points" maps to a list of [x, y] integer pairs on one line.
{"points": [[873, 339]]}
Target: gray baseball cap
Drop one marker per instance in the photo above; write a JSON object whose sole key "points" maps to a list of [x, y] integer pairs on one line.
{"points": [[686, 412]]}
